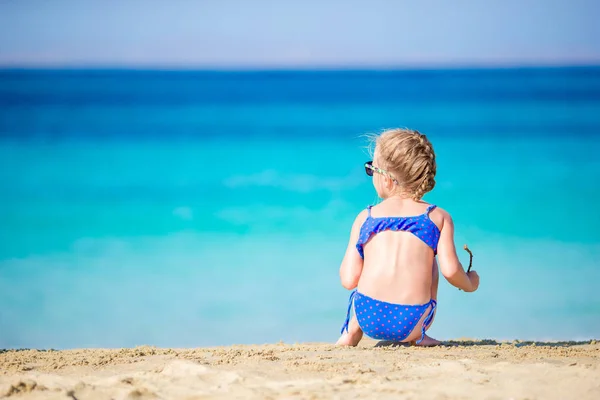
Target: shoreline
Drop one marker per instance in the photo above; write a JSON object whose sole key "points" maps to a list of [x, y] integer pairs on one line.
{"points": [[372, 342], [461, 368]]}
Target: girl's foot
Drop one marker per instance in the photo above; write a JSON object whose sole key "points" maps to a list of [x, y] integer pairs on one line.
{"points": [[349, 338], [427, 342], [352, 336]]}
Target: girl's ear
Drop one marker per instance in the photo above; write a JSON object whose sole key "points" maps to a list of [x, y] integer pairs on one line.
{"points": [[389, 184]]}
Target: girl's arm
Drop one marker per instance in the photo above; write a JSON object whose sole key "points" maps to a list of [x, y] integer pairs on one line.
{"points": [[450, 266], [352, 263]]}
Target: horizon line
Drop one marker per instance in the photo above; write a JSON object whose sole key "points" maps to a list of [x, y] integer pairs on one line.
{"points": [[292, 68], [465, 63]]}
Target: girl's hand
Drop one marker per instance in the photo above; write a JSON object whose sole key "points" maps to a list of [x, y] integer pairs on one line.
{"points": [[474, 278]]}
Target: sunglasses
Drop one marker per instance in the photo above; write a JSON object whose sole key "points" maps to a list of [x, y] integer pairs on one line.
{"points": [[370, 168]]}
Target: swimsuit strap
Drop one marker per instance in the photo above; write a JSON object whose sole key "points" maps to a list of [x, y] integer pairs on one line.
{"points": [[431, 207], [427, 319], [369, 211], [349, 308]]}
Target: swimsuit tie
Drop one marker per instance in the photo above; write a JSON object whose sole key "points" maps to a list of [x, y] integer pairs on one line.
{"points": [[348, 313], [427, 320]]}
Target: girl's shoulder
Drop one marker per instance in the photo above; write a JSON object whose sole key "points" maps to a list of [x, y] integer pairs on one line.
{"points": [[440, 216], [360, 219]]}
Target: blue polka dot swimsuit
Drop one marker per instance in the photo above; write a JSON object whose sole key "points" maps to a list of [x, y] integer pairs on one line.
{"points": [[388, 321]]}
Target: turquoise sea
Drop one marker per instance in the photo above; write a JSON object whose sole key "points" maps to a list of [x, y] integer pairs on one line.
{"points": [[212, 208]]}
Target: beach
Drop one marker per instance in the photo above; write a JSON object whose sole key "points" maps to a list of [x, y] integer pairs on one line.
{"points": [[460, 369], [181, 186]]}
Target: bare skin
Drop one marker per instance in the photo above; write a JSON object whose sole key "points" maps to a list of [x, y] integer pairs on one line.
{"points": [[398, 267]]}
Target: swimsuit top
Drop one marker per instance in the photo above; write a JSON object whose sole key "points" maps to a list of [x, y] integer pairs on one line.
{"points": [[419, 225]]}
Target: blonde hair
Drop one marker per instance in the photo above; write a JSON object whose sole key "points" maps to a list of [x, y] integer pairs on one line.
{"points": [[409, 157]]}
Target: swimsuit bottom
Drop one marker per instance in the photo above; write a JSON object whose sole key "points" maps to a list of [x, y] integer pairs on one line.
{"points": [[388, 321]]}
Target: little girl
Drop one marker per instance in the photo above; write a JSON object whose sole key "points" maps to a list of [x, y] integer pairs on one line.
{"points": [[391, 258]]}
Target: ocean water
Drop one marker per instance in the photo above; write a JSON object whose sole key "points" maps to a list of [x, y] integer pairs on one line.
{"points": [[212, 208]]}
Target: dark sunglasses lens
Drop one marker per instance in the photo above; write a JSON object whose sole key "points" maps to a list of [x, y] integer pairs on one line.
{"points": [[368, 170]]}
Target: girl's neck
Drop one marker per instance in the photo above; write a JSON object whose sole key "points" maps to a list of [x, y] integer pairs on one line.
{"points": [[399, 197]]}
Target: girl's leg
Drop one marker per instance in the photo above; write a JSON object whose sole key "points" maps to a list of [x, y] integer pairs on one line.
{"points": [[353, 336]]}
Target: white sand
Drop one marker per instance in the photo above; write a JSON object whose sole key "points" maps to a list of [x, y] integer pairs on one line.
{"points": [[307, 371]]}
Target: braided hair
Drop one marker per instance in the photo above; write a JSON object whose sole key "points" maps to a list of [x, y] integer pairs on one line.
{"points": [[408, 155]]}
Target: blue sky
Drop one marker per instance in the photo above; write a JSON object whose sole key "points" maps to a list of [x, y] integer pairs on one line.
{"points": [[298, 33]]}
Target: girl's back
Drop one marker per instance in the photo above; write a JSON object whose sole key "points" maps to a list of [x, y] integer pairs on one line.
{"points": [[397, 240]]}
